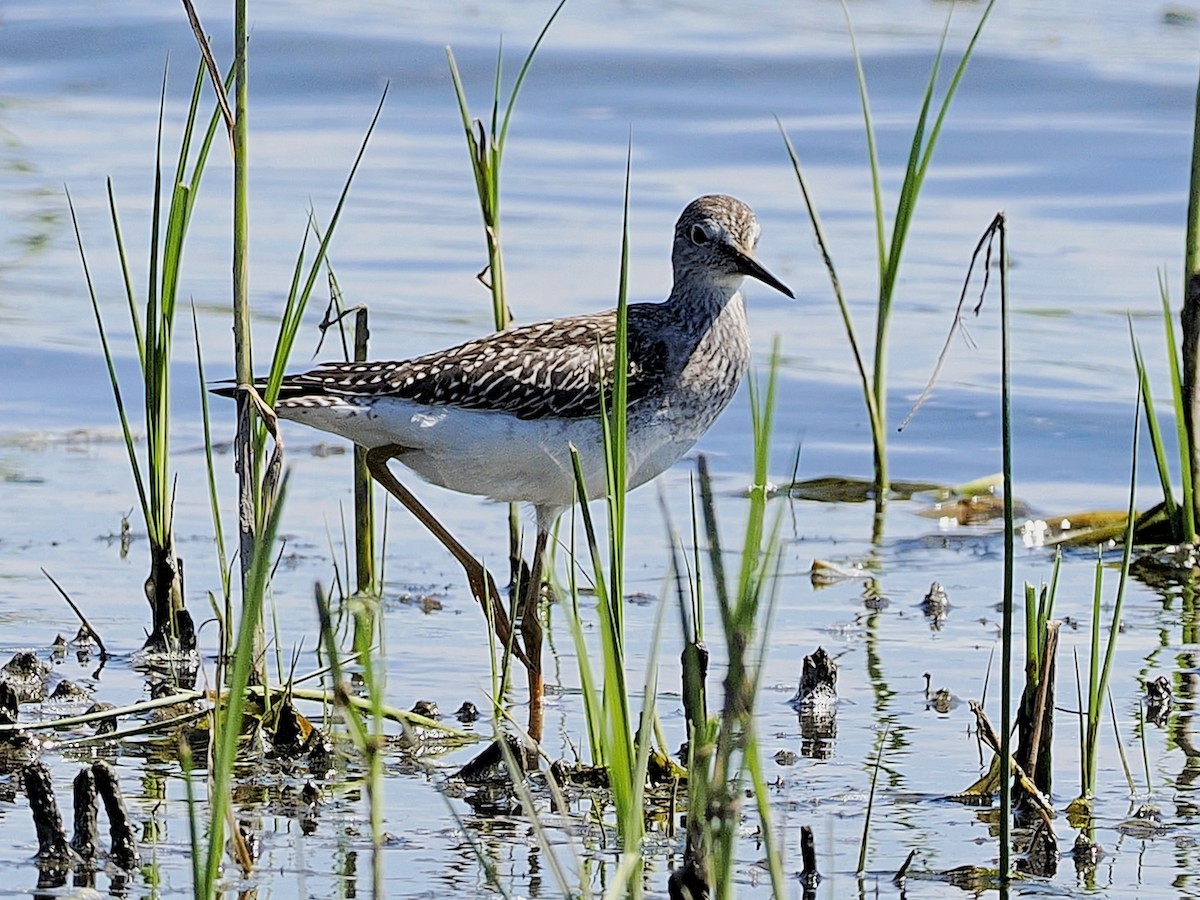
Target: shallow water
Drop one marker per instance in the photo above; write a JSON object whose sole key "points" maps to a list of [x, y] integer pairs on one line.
{"points": [[1079, 130]]}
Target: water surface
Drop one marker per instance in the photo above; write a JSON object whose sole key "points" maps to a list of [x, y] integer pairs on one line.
{"points": [[1077, 126]]}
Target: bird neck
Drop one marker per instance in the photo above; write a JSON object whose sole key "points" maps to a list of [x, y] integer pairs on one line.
{"points": [[702, 302]]}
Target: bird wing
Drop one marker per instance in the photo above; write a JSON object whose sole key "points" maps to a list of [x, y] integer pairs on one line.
{"points": [[547, 369]]}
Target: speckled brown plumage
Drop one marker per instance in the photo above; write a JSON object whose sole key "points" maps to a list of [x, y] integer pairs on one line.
{"points": [[550, 369], [497, 415]]}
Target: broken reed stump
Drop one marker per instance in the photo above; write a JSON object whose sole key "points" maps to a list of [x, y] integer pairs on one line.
{"points": [[55, 854], [1035, 715], [53, 851], [124, 851], [809, 876], [83, 841]]}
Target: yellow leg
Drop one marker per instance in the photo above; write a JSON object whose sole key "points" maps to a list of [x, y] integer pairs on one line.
{"points": [[529, 649]]}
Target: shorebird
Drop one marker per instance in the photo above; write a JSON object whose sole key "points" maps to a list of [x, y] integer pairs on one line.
{"points": [[498, 416]]}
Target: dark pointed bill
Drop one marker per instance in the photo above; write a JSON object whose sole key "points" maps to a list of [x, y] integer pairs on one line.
{"points": [[748, 265]]}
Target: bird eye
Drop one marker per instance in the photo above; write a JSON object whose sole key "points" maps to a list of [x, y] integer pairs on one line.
{"points": [[699, 234]]}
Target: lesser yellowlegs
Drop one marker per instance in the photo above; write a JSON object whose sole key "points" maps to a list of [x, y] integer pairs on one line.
{"points": [[497, 416]]}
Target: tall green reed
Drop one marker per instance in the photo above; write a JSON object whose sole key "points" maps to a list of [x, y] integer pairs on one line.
{"points": [[1189, 408], [1035, 718], [889, 248], [252, 507], [255, 485], [227, 724], [615, 743], [1007, 601], [485, 146]]}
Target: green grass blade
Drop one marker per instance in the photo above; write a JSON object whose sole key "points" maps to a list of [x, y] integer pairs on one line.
{"points": [[862, 845], [618, 475], [1191, 255], [872, 151], [1181, 430], [1156, 439], [909, 191], [1006, 633], [296, 302], [126, 276], [1126, 558], [922, 149], [839, 295], [126, 431], [512, 99], [1031, 632], [227, 726], [473, 148], [592, 700], [210, 468]]}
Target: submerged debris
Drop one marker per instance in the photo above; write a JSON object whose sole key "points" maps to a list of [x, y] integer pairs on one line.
{"points": [[817, 690], [27, 675], [467, 713], [83, 841], [809, 876], [104, 726], [785, 758], [427, 709], [53, 851], [490, 766], [17, 748], [9, 704], [1041, 857], [290, 731], [935, 605], [1159, 700], [69, 692], [124, 851], [835, 489], [942, 701], [688, 882], [816, 702], [1087, 853], [824, 573], [1145, 823], [594, 777]]}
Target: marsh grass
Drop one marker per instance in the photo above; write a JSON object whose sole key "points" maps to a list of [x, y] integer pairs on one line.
{"points": [[616, 745], [485, 144], [864, 840], [485, 147], [1180, 516], [1183, 365], [1035, 717], [1189, 409], [227, 721], [223, 606], [153, 325], [889, 247], [724, 751], [1104, 631], [365, 727]]}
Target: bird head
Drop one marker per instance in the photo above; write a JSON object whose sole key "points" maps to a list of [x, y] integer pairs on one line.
{"points": [[715, 239]]}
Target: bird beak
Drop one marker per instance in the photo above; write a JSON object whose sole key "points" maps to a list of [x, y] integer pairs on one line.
{"points": [[748, 265]]}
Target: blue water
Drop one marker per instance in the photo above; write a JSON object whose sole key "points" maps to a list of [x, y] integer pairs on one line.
{"points": [[1078, 126]]}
